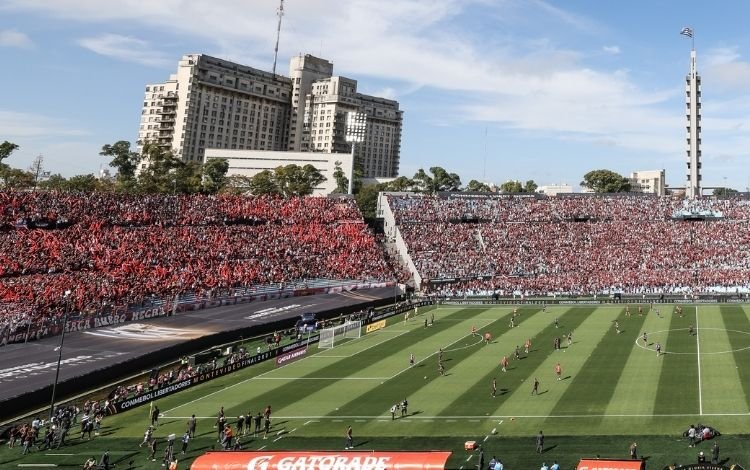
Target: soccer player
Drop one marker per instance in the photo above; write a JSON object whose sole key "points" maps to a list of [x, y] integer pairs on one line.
{"points": [[240, 425], [504, 363], [558, 371], [411, 360], [404, 408], [645, 339], [640, 310], [518, 353], [512, 323], [432, 319], [535, 389], [441, 368], [494, 387], [527, 346], [557, 323], [394, 408], [570, 338], [487, 338], [617, 327], [258, 419], [349, 438], [658, 349], [440, 355], [627, 310], [691, 330], [473, 330]]}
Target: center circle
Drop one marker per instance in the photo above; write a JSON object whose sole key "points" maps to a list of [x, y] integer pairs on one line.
{"points": [[659, 336]]}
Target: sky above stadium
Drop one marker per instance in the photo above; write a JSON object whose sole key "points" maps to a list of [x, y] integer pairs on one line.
{"points": [[492, 89]]}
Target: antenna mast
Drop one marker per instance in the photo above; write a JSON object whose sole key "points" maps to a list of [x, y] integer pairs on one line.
{"points": [[279, 13]]}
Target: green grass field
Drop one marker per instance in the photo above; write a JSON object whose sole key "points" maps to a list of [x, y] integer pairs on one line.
{"points": [[614, 390]]}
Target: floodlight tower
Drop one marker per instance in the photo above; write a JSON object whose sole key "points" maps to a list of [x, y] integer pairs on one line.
{"points": [[693, 102], [356, 125]]}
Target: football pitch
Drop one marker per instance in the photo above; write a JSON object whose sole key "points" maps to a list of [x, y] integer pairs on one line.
{"points": [[612, 389]]}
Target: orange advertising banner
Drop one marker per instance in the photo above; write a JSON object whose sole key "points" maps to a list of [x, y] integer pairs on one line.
{"points": [[606, 464], [321, 461]]}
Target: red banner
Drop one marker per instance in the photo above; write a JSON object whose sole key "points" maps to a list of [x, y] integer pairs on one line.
{"points": [[321, 460], [606, 464]]}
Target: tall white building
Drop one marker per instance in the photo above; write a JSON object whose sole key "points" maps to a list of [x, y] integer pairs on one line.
{"points": [[212, 103], [693, 102]]}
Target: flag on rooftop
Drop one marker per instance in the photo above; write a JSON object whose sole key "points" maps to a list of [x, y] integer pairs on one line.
{"points": [[687, 32]]}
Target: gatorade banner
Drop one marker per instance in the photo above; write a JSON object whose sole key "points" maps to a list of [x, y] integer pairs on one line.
{"points": [[321, 460], [606, 464]]}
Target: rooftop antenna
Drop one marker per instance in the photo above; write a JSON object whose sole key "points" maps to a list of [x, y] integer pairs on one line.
{"points": [[279, 13]]}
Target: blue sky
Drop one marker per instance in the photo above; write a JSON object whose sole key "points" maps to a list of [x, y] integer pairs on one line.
{"points": [[557, 88]]}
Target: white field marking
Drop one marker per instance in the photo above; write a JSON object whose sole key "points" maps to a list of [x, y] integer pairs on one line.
{"points": [[698, 344], [468, 458], [461, 467], [278, 438], [268, 372], [446, 349], [310, 421], [326, 357], [61, 454], [37, 465], [262, 447], [322, 378], [479, 341], [279, 433], [501, 421], [696, 330], [476, 419], [485, 438], [494, 430]]}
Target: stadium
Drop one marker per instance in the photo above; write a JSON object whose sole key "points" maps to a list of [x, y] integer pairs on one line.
{"points": [[262, 332]]}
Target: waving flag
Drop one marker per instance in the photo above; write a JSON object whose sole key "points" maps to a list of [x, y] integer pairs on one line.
{"points": [[687, 32]]}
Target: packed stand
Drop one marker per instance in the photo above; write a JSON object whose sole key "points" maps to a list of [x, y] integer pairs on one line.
{"points": [[113, 249], [577, 245]]}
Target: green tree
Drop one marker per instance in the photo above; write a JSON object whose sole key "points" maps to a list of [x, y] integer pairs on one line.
{"points": [[214, 175], [367, 199], [83, 183], [264, 183], [15, 178], [7, 148], [293, 180], [477, 187], [724, 191], [439, 180], [55, 182], [530, 186], [160, 174], [512, 187], [402, 183], [342, 182], [237, 184], [605, 181], [125, 161]]}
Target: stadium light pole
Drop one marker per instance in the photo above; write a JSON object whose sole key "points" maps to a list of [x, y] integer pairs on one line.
{"points": [[59, 354], [356, 125]]}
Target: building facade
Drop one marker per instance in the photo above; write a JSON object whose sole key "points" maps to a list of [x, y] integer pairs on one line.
{"points": [[249, 163], [212, 104], [649, 181]]}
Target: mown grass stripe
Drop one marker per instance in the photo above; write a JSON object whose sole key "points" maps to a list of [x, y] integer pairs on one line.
{"points": [[537, 364], [735, 318], [595, 383], [383, 396], [678, 382]]}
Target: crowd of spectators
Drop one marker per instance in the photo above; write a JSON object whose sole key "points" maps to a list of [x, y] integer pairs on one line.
{"points": [[577, 245], [114, 249]]}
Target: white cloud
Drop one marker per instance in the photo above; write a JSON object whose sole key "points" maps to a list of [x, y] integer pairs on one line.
{"points": [[125, 48], [524, 83], [13, 38], [614, 50]]}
